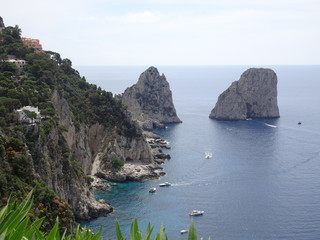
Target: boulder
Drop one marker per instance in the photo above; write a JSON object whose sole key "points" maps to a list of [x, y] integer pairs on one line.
{"points": [[253, 96]]}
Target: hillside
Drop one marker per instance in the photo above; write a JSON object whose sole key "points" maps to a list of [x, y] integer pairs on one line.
{"points": [[54, 126]]}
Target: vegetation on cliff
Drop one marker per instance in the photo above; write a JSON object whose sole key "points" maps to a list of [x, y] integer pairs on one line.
{"points": [[27, 151]]}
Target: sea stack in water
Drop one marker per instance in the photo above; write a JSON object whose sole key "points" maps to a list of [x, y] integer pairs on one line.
{"points": [[253, 96], [150, 100]]}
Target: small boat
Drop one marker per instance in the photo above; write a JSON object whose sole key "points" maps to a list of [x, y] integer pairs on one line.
{"points": [[184, 231], [208, 155], [299, 123], [165, 184], [196, 213], [152, 190]]}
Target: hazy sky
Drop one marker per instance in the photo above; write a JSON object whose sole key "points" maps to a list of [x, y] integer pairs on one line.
{"points": [[172, 32]]}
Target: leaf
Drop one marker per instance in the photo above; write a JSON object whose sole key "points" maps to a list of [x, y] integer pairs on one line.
{"points": [[3, 212], [97, 236], [148, 232], [16, 214], [2, 236], [135, 234], [33, 229], [161, 235], [20, 231], [54, 233], [118, 231], [192, 235]]}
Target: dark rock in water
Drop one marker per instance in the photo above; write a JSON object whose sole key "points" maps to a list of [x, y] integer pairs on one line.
{"points": [[253, 96], [150, 101]]}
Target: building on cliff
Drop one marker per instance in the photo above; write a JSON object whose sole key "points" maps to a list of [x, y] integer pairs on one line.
{"points": [[24, 117], [20, 63], [33, 43]]}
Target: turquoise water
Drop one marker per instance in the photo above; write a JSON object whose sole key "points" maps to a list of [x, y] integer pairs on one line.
{"points": [[262, 182]]}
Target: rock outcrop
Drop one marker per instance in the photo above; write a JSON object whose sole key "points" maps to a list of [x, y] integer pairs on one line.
{"points": [[253, 96], [2, 26], [150, 100], [90, 146], [131, 172], [1, 23]]}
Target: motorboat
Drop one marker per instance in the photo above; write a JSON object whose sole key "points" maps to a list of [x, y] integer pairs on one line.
{"points": [[152, 190], [208, 155], [165, 184], [184, 231], [196, 213]]}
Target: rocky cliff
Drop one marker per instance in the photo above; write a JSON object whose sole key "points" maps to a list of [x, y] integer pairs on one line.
{"points": [[91, 147], [1, 23], [253, 96], [150, 100], [81, 131]]}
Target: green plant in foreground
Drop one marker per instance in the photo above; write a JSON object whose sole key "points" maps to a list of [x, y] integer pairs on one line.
{"points": [[15, 225]]}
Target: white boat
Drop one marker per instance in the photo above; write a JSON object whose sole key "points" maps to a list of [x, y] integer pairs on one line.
{"points": [[196, 213], [208, 155], [184, 231], [165, 184], [152, 190]]}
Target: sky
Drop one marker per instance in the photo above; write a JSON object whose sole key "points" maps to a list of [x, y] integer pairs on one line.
{"points": [[172, 32]]}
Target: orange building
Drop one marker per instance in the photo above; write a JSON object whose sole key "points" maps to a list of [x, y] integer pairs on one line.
{"points": [[33, 43]]}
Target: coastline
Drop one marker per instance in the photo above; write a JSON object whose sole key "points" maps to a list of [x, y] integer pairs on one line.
{"points": [[134, 171]]}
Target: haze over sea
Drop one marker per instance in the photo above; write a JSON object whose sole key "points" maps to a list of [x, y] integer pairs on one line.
{"points": [[263, 181]]}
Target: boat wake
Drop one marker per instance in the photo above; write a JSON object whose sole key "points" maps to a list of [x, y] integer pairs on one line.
{"points": [[269, 125]]}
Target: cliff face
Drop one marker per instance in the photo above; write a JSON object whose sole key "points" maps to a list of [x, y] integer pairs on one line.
{"points": [[150, 100], [89, 145], [253, 96], [1, 23]]}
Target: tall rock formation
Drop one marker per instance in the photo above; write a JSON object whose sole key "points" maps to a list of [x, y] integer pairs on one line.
{"points": [[2, 26], [150, 100], [253, 96]]}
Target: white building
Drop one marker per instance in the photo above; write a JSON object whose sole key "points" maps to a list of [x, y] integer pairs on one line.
{"points": [[19, 62], [23, 116]]}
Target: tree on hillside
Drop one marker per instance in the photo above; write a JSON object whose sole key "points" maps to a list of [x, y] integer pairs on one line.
{"points": [[14, 32]]}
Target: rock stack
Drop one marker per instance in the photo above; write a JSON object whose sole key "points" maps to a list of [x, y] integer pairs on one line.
{"points": [[253, 96], [150, 100]]}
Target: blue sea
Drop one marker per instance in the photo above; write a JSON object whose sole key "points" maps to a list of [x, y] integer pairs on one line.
{"points": [[263, 181]]}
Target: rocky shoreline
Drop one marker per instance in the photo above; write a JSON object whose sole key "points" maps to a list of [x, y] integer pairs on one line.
{"points": [[135, 171]]}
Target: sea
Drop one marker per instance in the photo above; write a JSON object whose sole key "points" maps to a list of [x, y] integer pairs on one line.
{"points": [[263, 180]]}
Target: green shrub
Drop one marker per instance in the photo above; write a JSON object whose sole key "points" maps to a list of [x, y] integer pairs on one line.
{"points": [[116, 162], [30, 114], [113, 162], [15, 144]]}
